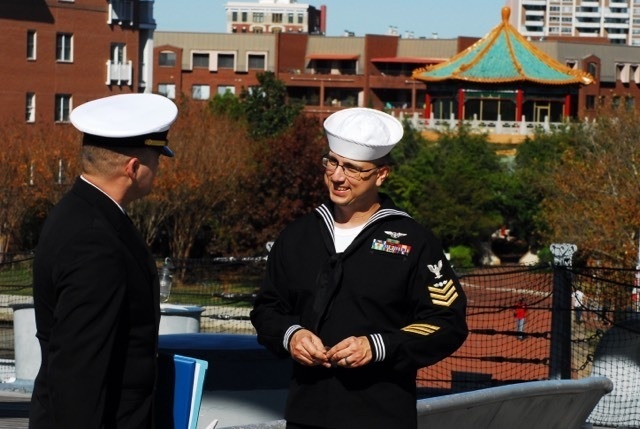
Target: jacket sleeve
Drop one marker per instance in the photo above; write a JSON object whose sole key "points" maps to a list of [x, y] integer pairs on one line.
{"points": [[438, 326], [272, 314], [91, 292]]}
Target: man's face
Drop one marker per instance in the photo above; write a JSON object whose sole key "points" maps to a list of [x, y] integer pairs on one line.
{"points": [[355, 190], [146, 173]]}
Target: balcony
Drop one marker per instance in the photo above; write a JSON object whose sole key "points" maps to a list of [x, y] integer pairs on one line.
{"points": [[526, 3], [618, 25], [534, 24], [120, 12], [583, 24], [587, 14], [119, 73]]}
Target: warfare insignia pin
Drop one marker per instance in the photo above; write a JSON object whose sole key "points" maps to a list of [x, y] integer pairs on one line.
{"points": [[395, 234], [436, 268]]}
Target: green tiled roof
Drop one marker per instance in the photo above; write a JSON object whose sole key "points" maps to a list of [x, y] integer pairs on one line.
{"points": [[503, 55]]}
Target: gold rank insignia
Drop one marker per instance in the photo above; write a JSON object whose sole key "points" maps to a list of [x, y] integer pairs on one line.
{"points": [[421, 328], [443, 293]]}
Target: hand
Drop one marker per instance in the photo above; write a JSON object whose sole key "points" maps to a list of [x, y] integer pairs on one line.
{"points": [[351, 352], [306, 348]]}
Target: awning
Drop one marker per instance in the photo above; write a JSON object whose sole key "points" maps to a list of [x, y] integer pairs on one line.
{"points": [[333, 57], [409, 60]]}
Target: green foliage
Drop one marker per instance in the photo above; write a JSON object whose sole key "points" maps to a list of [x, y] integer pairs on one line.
{"points": [[461, 256], [537, 159], [451, 186], [266, 109], [227, 105]]}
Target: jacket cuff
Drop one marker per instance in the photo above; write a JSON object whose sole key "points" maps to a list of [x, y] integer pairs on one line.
{"points": [[287, 335], [378, 349]]}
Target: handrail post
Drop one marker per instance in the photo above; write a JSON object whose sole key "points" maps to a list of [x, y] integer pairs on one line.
{"points": [[560, 350]]}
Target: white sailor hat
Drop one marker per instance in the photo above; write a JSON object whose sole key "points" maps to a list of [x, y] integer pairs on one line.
{"points": [[362, 134], [126, 120]]}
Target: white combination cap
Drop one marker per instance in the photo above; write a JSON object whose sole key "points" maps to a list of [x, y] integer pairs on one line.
{"points": [[126, 120], [362, 134]]}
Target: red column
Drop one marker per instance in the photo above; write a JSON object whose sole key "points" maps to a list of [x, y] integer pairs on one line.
{"points": [[460, 105], [427, 107], [567, 106], [519, 103]]}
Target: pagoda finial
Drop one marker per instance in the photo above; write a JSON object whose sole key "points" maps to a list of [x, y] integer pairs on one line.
{"points": [[506, 13]]}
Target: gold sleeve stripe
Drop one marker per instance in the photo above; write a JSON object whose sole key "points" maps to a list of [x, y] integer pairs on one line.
{"points": [[444, 296], [421, 329]]}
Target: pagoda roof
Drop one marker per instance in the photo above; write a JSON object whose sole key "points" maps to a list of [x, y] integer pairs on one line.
{"points": [[503, 56]]}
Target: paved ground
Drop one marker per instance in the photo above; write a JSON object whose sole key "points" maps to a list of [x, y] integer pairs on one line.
{"points": [[14, 410]]}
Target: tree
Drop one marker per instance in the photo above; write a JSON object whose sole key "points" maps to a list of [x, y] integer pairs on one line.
{"points": [[531, 180], [287, 183], [38, 166], [451, 186], [212, 159], [594, 201], [266, 109]]}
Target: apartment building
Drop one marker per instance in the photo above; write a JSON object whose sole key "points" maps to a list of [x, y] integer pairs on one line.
{"points": [[324, 73], [272, 16], [61, 53], [617, 21]]}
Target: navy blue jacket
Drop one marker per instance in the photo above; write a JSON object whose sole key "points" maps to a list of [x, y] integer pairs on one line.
{"points": [[96, 298], [393, 284]]}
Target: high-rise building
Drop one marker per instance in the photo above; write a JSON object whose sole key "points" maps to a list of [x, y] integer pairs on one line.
{"points": [[273, 16], [618, 21]]}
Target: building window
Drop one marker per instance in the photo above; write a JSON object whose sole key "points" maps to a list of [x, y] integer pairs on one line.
{"points": [[30, 107], [276, 18], [258, 17], [200, 60], [290, 18], [63, 107], [234, 16], [167, 59], [592, 69], [118, 53], [256, 61], [200, 92], [245, 16], [300, 18], [167, 89], [64, 47], [226, 61], [31, 44], [226, 89], [630, 102], [258, 30]]}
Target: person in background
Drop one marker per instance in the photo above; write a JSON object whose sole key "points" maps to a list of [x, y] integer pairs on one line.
{"points": [[357, 293], [520, 314], [578, 304], [96, 292]]}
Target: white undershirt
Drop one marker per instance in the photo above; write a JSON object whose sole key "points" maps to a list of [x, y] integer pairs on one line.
{"points": [[344, 236]]}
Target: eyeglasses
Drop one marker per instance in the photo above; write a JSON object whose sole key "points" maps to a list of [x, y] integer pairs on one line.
{"points": [[330, 165]]}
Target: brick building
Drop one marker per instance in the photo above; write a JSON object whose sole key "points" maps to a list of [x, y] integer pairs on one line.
{"points": [[61, 53]]}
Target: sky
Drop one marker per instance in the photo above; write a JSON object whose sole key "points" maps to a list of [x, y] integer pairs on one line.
{"points": [[420, 18]]}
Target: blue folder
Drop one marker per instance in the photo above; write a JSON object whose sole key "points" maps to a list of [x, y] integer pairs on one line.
{"points": [[180, 384]]}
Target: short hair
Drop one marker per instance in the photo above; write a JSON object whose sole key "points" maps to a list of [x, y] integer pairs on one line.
{"points": [[101, 161]]}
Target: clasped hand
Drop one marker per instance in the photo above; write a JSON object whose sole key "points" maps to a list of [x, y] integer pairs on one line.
{"points": [[307, 349]]}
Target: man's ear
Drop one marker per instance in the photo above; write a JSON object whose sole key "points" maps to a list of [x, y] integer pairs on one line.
{"points": [[383, 174], [131, 167]]}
